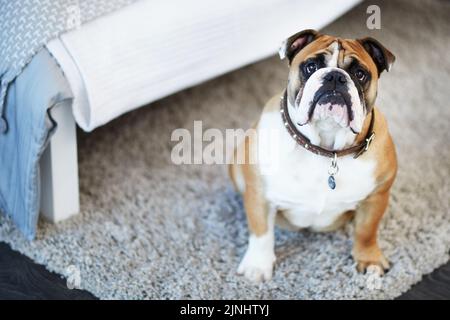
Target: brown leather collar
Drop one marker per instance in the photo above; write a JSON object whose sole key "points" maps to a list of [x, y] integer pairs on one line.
{"points": [[357, 150]]}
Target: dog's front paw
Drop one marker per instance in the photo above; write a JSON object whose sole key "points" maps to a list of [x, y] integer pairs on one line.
{"points": [[257, 266], [378, 263]]}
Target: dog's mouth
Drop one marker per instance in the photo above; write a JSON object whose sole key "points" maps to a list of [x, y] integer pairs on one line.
{"points": [[331, 104]]}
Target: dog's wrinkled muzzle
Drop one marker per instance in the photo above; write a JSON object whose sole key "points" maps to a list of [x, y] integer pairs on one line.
{"points": [[330, 95]]}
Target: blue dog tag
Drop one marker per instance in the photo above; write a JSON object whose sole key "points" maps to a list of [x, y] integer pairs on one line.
{"points": [[331, 182]]}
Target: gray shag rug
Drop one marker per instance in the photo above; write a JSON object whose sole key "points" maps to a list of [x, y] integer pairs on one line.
{"points": [[150, 229]]}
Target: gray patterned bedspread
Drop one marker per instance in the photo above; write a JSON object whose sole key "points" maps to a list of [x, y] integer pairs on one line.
{"points": [[26, 26]]}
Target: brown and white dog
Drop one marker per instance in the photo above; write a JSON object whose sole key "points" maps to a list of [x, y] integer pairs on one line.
{"points": [[336, 156]]}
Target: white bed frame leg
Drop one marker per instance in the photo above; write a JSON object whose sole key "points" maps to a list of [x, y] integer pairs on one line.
{"points": [[59, 168]]}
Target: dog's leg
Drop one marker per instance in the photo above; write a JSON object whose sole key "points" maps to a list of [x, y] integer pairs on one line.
{"points": [[366, 251], [257, 264]]}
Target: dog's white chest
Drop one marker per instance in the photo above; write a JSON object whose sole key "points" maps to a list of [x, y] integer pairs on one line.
{"points": [[297, 180]]}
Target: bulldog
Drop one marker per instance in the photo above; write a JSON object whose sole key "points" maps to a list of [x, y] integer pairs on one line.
{"points": [[337, 160]]}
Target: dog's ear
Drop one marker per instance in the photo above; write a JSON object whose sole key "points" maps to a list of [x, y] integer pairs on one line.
{"points": [[382, 57], [291, 46]]}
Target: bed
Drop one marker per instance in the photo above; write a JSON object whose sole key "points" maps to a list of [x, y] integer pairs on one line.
{"points": [[148, 50]]}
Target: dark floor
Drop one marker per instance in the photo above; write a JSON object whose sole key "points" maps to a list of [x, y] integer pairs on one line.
{"points": [[21, 278], [435, 286]]}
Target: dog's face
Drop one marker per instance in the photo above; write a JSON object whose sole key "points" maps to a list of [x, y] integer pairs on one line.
{"points": [[333, 79]]}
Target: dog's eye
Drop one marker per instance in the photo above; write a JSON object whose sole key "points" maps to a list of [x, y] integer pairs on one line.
{"points": [[311, 67], [360, 74]]}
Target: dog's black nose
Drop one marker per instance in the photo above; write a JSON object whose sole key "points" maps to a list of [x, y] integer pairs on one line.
{"points": [[335, 77]]}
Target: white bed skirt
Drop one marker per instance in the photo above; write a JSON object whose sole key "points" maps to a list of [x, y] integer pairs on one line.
{"points": [[154, 48]]}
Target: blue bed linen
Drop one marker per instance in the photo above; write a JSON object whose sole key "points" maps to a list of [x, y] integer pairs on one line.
{"points": [[30, 98]]}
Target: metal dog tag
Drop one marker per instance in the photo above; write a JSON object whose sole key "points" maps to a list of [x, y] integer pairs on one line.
{"points": [[332, 171]]}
